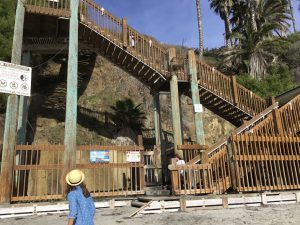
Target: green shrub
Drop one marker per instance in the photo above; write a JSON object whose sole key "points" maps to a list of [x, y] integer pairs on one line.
{"points": [[278, 80]]}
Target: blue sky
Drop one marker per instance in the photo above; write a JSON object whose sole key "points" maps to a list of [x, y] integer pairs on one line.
{"points": [[172, 21]]}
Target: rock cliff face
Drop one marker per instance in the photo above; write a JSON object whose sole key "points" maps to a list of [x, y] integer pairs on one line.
{"points": [[100, 84]]}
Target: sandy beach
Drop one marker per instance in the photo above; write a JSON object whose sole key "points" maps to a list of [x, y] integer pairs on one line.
{"points": [[266, 215]]}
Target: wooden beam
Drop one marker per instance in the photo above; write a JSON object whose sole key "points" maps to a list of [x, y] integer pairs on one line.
{"points": [[72, 85], [11, 113]]}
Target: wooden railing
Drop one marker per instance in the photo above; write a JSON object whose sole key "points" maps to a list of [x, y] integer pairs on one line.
{"points": [[220, 167], [249, 102], [38, 171], [266, 162], [191, 179], [101, 20], [213, 177], [48, 7], [290, 117], [227, 88], [247, 127], [285, 122], [213, 80], [116, 30], [191, 151]]}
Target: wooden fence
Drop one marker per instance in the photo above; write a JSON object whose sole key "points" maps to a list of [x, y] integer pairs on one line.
{"points": [[266, 162], [191, 179], [211, 177], [38, 171]]}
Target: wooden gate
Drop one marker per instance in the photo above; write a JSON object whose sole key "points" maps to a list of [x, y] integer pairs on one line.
{"points": [[152, 166], [38, 172], [266, 162]]}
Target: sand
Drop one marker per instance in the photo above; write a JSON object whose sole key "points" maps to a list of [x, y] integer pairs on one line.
{"points": [[265, 215]]}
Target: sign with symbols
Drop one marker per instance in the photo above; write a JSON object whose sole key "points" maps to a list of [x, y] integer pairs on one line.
{"points": [[99, 156], [198, 108], [15, 79], [133, 156]]}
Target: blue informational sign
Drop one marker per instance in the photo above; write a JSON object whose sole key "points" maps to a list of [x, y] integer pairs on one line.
{"points": [[99, 156]]}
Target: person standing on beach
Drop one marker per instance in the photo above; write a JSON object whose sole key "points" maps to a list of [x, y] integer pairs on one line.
{"points": [[81, 204]]}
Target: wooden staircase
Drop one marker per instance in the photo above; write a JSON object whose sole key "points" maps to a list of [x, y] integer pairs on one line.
{"points": [[276, 128], [145, 58]]}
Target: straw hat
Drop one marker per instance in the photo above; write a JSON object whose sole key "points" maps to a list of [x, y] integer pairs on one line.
{"points": [[75, 177]]}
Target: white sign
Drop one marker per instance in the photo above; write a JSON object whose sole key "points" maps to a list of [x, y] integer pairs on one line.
{"points": [[198, 108], [15, 79], [133, 156]]}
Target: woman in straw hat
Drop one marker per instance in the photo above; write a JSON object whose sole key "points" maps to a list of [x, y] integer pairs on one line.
{"points": [[81, 204]]}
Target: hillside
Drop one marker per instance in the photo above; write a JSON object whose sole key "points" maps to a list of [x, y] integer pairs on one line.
{"points": [[101, 83]]}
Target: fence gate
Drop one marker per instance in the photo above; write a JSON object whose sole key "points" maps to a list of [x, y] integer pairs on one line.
{"points": [[109, 170], [152, 167]]}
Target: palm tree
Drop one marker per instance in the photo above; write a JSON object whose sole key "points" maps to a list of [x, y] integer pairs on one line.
{"points": [[258, 12], [252, 6], [251, 54], [291, 8], [223, 7], [126, 115], [199, 17]]}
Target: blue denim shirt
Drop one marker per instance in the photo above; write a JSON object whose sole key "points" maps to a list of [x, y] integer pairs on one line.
{"points": [[82, 209]]}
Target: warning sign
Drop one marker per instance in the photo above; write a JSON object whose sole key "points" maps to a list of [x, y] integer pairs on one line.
{"points": [[132, 156], [15, 79]]}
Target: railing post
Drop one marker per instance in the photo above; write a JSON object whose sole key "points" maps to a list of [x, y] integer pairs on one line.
{"points": [[234, 90], [174, 176], [276, 117], [11, 113], [232, 163], [125, 32], [277, 122]]}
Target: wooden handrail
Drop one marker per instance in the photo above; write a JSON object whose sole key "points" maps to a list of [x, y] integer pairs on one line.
{"points": [[246, 127], [289, 116], [227, 88]]}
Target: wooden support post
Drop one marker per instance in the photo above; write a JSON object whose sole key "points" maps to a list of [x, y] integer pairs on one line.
{"points": [[125, 32], [71, 107], [182, 204], [161, 158], [272, 100], [196, 98], [157, 125], [112, 204], [23, 108], [11, 113], [175, 105], [234, 90], [140, 140], [225, 202]]}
